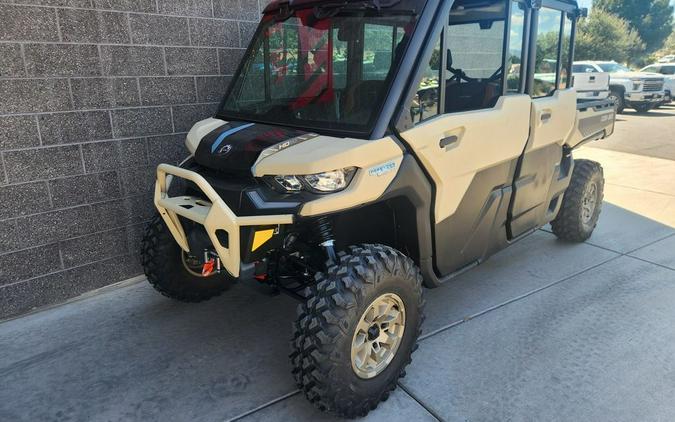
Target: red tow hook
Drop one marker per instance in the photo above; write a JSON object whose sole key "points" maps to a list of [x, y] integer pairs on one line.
{"points": [[260, 277], [207, 268]]}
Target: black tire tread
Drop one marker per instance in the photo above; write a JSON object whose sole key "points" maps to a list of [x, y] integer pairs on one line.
{"points": [[567, 225], [319, 318], [156, 244]]}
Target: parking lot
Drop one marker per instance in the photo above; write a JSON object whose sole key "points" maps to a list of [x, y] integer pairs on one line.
{"points": [[651, 134], [544, 330]]}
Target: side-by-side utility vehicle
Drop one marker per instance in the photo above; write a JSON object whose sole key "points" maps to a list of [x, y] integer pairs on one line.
{"points": [[367, 149]]}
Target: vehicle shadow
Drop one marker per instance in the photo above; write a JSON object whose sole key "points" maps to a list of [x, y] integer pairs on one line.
{"points": [[650, 113], [131, 354]]}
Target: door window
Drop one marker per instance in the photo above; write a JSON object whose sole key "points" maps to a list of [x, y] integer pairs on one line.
{"points": [[425, 104], [475, 52], [515, 57], [547, 67], [565, 50]]}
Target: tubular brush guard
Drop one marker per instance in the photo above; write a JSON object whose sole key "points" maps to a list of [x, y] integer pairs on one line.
{"points": [[215, 216]]}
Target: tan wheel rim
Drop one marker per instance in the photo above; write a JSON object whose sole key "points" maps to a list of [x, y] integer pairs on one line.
{"points": [[378, 335], [589, 203]]}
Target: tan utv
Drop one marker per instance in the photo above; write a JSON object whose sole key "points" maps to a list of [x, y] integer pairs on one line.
{"points": [[367, 149]]}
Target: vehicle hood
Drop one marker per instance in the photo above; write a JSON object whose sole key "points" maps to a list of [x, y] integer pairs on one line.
{"points": [[242, 148], [641, 75], [234, 146]]}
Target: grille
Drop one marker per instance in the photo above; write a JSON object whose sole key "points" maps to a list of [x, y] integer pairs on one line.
{"points": [[230, 186], [652, 86]]}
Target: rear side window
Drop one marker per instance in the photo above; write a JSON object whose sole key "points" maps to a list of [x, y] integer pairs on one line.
{"points": [[547, 67], [583, 68], [668, 70]]}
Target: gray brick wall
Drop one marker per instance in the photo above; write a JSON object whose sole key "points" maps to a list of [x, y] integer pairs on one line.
{"points": [[93, 94]]}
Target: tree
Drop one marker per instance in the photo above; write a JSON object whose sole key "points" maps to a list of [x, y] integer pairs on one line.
{"points": [[604, 36], [653, 19], [669, 46]]}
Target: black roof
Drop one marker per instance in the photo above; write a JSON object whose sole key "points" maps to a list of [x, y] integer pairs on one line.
{"points": [[416, 5], [395, 4]]}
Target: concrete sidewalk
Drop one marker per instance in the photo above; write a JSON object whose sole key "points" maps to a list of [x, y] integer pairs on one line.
{"points": [[638, 183], [542, 331]]}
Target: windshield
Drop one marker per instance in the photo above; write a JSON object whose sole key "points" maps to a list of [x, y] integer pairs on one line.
{"points": [[319, 72], [613, 67]]}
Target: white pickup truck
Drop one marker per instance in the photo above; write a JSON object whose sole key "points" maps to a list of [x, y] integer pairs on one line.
{"points": [[641, 91], [668, 72], [591, 85]]}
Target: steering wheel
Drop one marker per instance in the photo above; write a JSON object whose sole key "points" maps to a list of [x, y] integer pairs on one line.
{"points": [[498, 74], [459, 75]]}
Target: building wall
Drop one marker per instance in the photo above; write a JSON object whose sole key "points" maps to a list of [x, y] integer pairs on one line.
{"points": [[93, 94]]}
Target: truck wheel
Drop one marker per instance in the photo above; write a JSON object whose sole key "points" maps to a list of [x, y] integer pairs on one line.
{"points": [[581, 204], [617, 99], [357, 330], [173, 272]]}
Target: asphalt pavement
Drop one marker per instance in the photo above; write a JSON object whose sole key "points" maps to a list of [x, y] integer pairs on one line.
{"points": [[650, 134], [544, 330]]}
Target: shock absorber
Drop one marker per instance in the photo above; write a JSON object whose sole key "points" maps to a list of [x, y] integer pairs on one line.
{"points": [[324, 229]]}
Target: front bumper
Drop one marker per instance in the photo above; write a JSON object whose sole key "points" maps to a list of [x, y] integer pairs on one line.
{"points": [[222, 225], [645, 97]]}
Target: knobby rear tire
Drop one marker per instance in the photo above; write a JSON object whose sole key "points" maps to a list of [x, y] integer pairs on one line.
{"points": [[569, 224]]}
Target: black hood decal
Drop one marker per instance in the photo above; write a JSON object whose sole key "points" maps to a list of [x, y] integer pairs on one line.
{"points": [[235, 146]]}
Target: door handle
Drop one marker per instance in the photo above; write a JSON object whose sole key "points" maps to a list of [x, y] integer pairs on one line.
{"points": [[546, 116], [448, 141]]}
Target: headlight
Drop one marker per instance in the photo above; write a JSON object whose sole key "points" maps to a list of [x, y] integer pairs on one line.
{"points": [[329, 181], [289, 183]]}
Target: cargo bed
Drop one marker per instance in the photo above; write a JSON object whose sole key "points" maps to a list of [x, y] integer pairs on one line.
{"points": [[595, 120]]}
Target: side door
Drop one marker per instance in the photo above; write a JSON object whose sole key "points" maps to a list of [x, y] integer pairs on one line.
{"points": [[668, 72], [544, 170], [471, 123]]}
